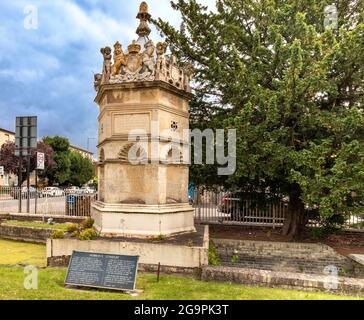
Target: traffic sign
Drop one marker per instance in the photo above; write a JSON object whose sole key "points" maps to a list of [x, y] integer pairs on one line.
{"points": [[40, 161]]}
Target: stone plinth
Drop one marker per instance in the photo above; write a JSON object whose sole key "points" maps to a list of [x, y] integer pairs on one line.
{"points": [[142, 220], [149, 197]]}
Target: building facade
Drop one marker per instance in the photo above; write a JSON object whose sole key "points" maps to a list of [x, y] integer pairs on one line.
{"points": [[83, 152]]}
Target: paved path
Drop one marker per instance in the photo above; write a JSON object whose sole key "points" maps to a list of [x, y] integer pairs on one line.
{"points": [[44, 205]]}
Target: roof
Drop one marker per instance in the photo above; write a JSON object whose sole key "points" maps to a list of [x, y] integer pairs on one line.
{"points": [[81, 149], [7, 131]]}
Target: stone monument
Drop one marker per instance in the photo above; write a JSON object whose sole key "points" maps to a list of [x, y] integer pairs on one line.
{"points": [[143, 97]]}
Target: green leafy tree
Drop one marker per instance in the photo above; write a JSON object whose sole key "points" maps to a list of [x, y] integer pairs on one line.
{"points": [[293, 89], [60, 173], [82, 170]]}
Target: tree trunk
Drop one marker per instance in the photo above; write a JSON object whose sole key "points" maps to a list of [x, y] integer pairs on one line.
{"points": [[296, 218]]}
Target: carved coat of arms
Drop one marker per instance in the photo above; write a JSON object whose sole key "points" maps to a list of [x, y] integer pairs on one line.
{"points": [[134, 59]]}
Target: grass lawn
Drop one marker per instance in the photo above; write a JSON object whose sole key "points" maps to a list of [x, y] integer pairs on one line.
{"points": [[51, 283], [35, 224], [15, 252]]}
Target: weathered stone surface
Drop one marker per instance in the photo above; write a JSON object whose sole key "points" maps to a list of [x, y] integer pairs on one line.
{"points": [[288, 280], [290, 257], [168, 253], [24, 233], [359, 258]]}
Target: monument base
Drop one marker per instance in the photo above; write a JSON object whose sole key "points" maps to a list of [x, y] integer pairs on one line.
{"points": [[115, 220], [183, 253]]}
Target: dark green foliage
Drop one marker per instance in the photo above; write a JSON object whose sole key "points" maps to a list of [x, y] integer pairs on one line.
{"points": [[61, 172], [71, 167], [213, 256], [81, 169], [291, 88]]}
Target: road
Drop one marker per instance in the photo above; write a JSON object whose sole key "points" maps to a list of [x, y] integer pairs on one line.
{"points": [[50, 205]]}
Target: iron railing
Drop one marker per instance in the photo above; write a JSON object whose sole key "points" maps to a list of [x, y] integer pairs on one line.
{"points": [[230, 208], [46, 202]]}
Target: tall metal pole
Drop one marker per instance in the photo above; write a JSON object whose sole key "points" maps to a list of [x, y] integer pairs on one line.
{"points": [[20, 179], [28, 183], [36, 190]]}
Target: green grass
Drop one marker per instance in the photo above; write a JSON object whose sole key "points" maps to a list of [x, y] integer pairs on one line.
{"points": [[51, 286], [51, 283], [36, 224], [15, 252]]}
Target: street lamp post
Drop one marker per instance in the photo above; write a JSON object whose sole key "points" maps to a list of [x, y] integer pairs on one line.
{"points": [[88, 143]]}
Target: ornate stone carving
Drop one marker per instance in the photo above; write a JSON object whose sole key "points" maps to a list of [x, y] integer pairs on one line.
{"points": [[133, 152], [106, 68], [119, 58], [161, 71], [133, 59], [97, 81], [144, 16], [139, 63], [148, 57]]}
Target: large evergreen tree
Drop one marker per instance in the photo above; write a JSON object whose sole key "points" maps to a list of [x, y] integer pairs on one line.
{"points": [[292, 88]]}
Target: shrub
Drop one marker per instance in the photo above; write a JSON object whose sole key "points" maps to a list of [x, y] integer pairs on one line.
{"points": [[334, 222], [72, 228], [88, 223], [57, 234], [234, 258], [88, 234], [161, 237], [75, 234], [214, 259]]}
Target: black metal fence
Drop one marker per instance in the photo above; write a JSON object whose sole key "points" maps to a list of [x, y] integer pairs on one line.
{"points": [[231, 208], [46, 201]]}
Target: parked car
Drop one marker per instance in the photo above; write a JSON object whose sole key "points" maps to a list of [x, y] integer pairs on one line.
{"points": [[240, 207], [52, 192], [73, 190], [15, 193], [87, 190], [229, 203]]}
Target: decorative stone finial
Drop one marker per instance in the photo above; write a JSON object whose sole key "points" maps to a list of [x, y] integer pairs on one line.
{"points": [[144, 16], [143, 61]]}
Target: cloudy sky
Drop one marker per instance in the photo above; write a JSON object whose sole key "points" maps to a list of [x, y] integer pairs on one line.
{"points": [[47, 64]]}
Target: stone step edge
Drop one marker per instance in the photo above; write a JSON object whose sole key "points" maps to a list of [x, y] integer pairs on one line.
{"points": [[287, 280], [267, 245]]}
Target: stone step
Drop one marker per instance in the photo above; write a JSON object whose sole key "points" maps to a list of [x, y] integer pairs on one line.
{"points": [[286, 257], [290, 280]]}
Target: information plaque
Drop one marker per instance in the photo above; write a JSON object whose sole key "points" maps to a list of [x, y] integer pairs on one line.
{"points": [[99, 270]]}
